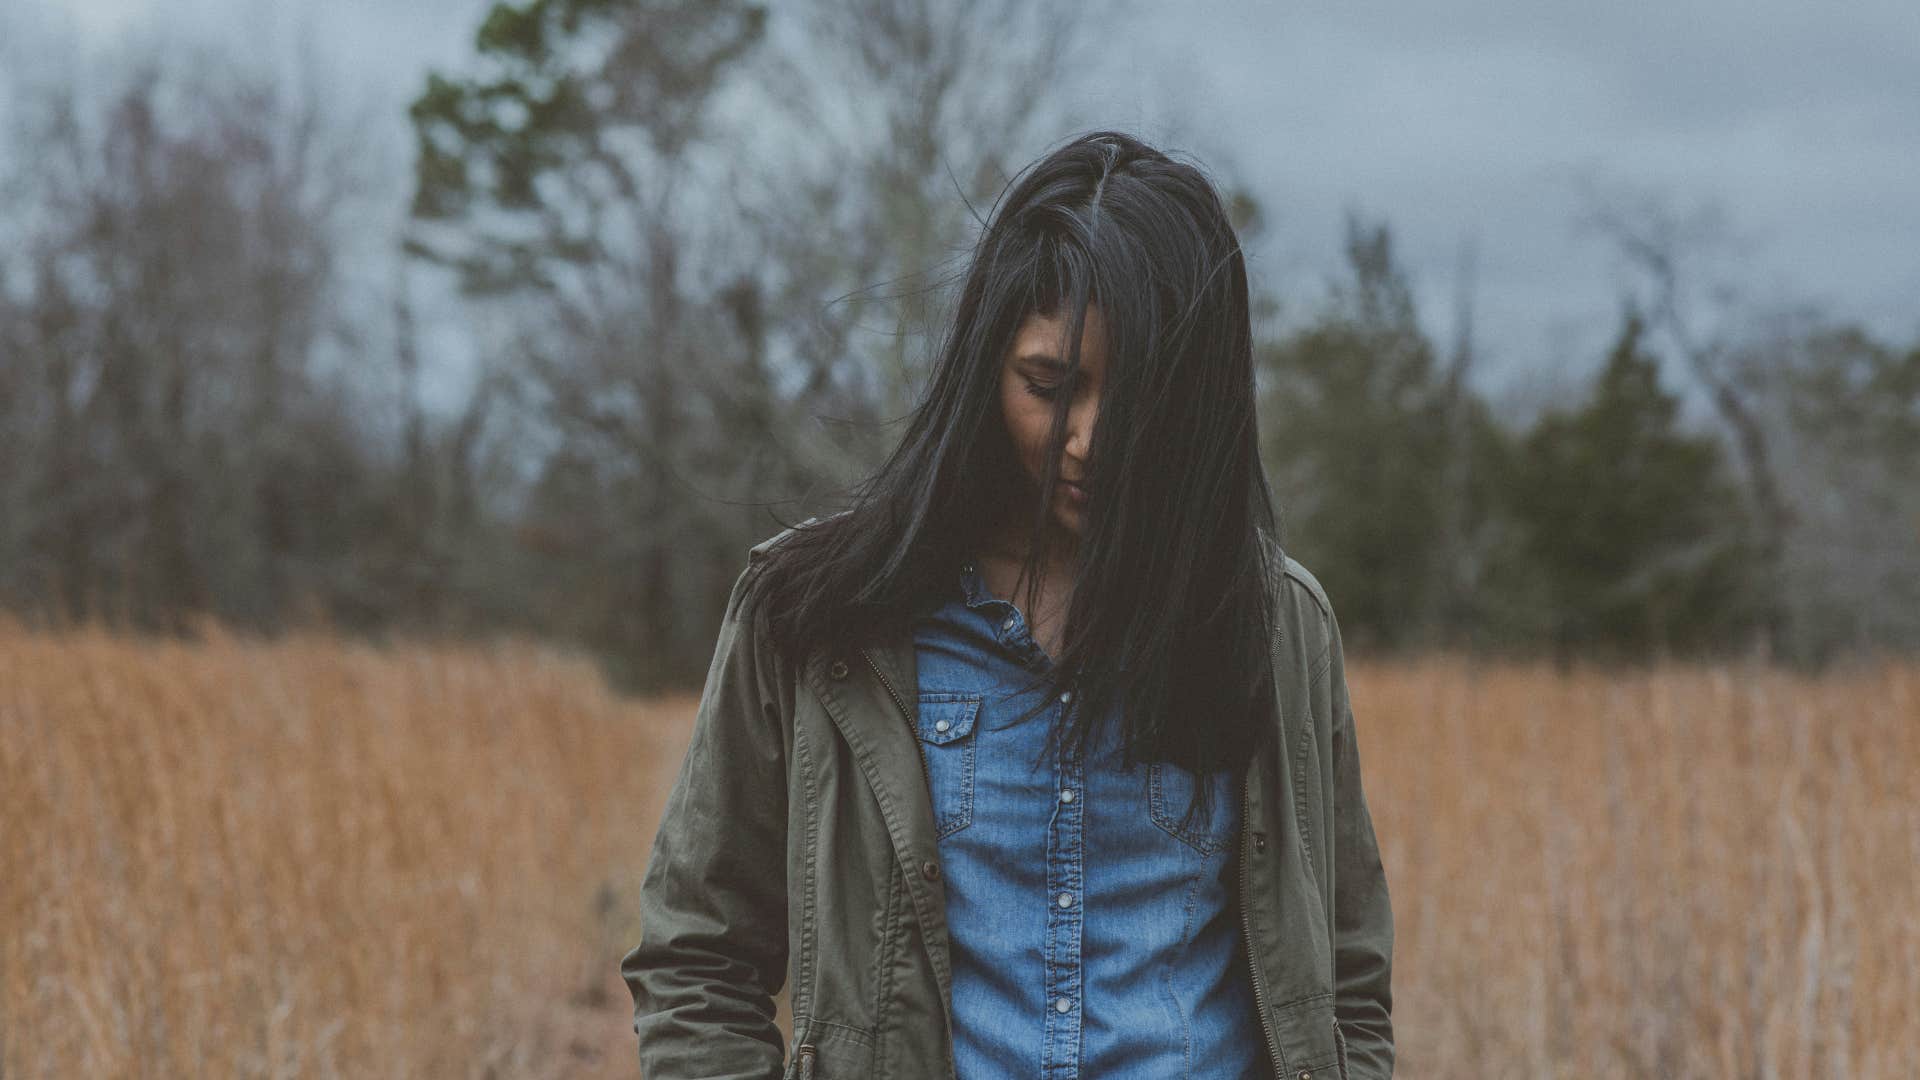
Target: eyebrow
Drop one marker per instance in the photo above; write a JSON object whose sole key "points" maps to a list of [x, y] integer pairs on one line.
{"points": [[1045, 360]]}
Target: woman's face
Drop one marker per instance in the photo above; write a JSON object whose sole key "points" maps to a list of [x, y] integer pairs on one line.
{"points": [[1032, 376]]}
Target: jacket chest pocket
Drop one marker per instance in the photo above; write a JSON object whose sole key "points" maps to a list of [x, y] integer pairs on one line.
{"points": [[947, 745]]}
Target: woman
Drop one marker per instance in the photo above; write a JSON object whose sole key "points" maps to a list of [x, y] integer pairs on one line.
{"points": [[1038, 760]]}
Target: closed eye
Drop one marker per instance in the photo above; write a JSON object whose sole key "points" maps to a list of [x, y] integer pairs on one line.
{"points": [[1044, 392]]}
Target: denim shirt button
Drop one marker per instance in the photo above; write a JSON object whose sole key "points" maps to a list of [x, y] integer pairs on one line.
{"points": [[941, 725]]}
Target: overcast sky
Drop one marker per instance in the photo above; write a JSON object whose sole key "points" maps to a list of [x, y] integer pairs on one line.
{"points": [[1469, 122], [1464, 123]]}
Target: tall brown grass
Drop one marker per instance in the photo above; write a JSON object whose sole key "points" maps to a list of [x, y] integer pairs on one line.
{"points": [[312, 858], [1676, 872]]}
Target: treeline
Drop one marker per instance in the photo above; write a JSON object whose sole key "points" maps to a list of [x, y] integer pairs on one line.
{"points": [[704, 252], [1606, 526]]}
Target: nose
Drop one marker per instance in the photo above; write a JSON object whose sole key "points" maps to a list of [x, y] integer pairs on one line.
{"points": [[1081, 416]]}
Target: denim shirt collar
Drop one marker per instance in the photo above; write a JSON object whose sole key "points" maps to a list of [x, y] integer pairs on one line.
{"points": [[1010, 627], [973, 587]]}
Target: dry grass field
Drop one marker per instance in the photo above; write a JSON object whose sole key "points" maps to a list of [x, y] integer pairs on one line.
{"points": [[310, 858]]}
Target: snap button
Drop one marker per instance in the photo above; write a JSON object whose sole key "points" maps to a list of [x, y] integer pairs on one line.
{"points": [[930, 870], [1066, 796], [1061, 1004], [1066, 696], [1306, 1074], [1066, 899], [1259, 841], [941, 725], [838, 669], [1008, 625]]}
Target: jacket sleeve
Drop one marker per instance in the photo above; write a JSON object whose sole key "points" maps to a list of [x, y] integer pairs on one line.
{"points": [[1363, 917], [713, 907]]}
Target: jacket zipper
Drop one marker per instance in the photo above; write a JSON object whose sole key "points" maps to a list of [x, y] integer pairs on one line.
{"points": [[905, 714], [806, 1061], [1246, 922]]}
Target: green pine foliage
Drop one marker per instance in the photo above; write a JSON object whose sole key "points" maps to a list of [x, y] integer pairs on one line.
{"points": [[571, 95], [1604, 527], [1362, 433], [1634, 526], [1355, 432]]}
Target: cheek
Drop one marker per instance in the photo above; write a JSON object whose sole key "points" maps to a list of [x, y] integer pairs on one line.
{"points": [[1026, 426]]}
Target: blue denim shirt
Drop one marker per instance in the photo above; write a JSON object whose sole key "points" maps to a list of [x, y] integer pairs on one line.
{"points": [[1090, 934]]}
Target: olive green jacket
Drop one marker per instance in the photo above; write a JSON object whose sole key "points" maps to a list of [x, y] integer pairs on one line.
{"points": [[797, 843]]}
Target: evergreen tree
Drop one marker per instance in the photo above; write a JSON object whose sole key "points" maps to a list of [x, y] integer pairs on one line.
{"points": [[1634, 526], [1357, 440], [572, 134]]}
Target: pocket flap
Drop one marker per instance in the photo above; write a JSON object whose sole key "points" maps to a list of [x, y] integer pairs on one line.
{"points": [[1306, 1031], [945, 717]]}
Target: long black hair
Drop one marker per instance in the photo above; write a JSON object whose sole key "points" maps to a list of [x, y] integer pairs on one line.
{"points": [[1169, 615]]}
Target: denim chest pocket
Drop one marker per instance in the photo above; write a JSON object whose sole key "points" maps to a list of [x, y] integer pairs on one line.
{"points": [[946, 722], [1169, 789]]}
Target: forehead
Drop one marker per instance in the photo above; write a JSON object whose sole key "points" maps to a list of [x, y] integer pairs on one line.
{"points": [[1042, 340]]}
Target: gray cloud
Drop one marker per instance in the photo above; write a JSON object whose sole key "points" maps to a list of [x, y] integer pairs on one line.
{"points": [[1462, 123], [1471, 121]]}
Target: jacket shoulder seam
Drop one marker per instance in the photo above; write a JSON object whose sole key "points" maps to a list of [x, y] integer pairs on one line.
{"points": [[1294, 570], [760, 550], [1304, 579]]}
